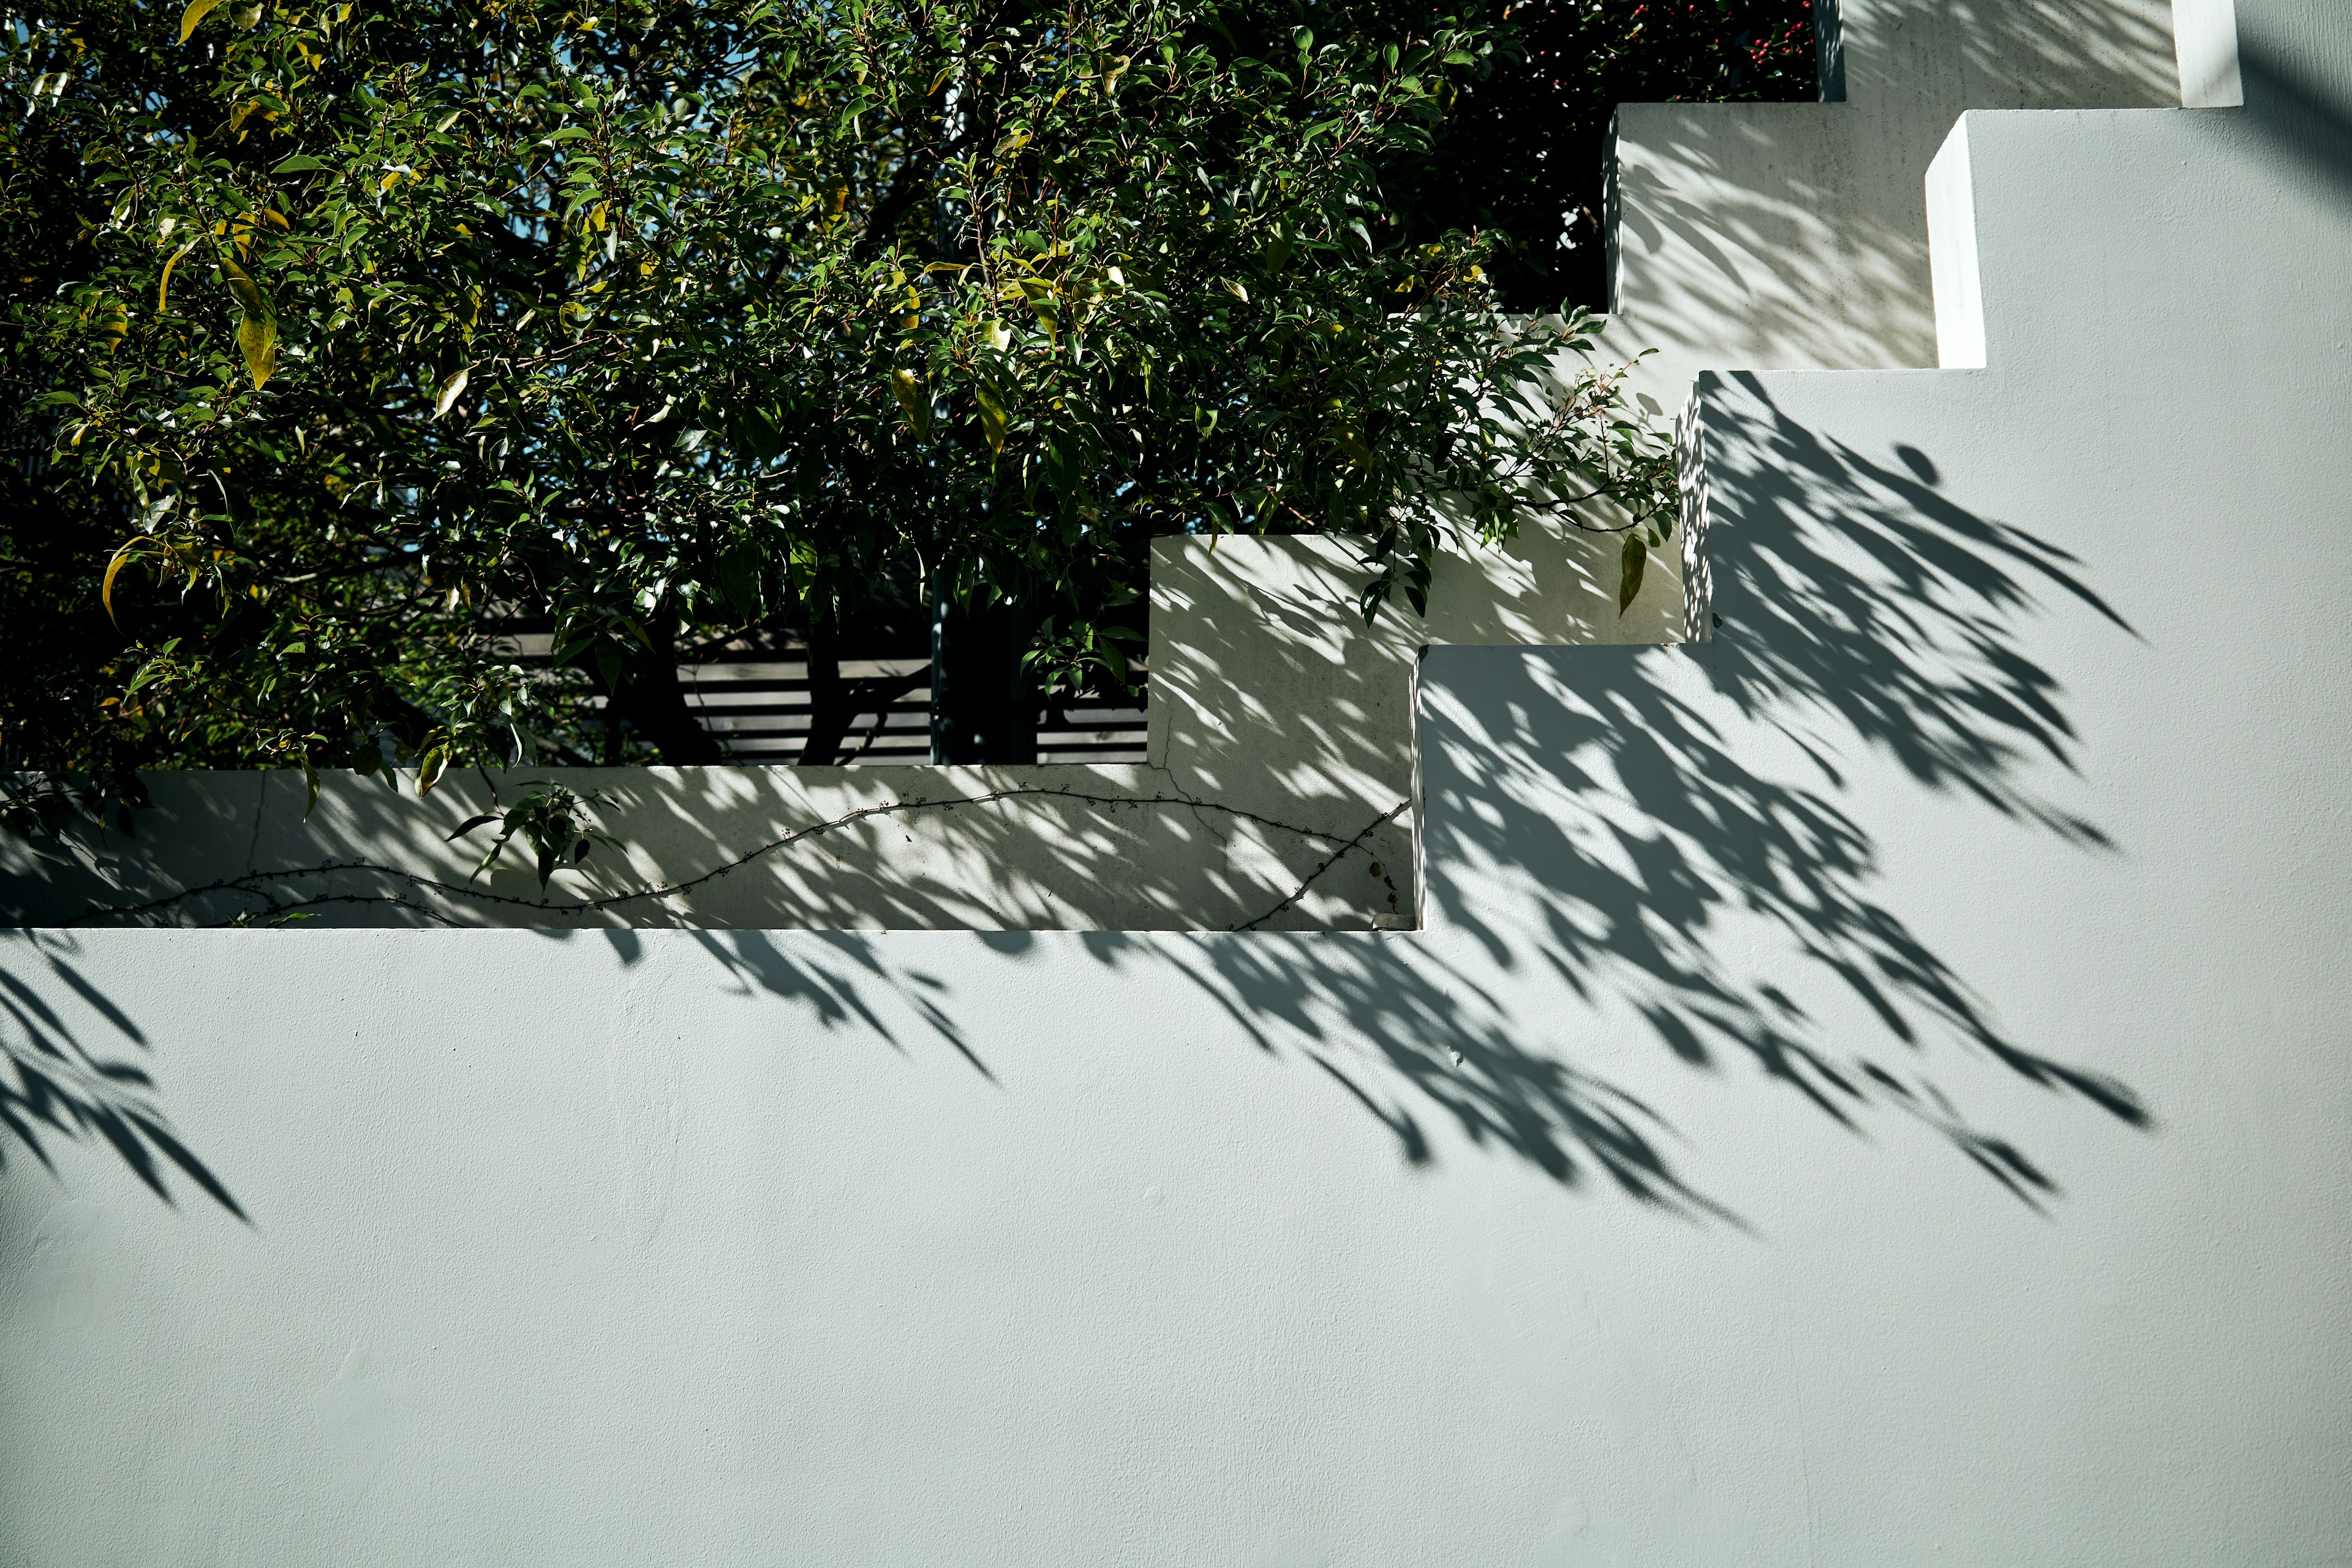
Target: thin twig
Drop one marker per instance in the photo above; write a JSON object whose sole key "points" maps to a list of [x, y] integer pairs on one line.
{"points": [[1300, 891], [252, 883]]}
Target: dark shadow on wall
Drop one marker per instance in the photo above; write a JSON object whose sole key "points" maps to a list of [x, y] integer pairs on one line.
{"points": [[2297, 115], [1606, 829], [824, 972], [1621, 822], [830, 990], [59, 1085]]}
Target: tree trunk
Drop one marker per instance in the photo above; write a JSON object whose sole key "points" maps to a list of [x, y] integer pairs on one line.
{"points": [[836, 704], [650, 700], [983, 701], [829, 699]]}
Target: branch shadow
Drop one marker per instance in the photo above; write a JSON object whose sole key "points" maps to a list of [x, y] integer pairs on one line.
{"points": [[1604, 831], [1619, 823], [60, 1087], [1794, 235]]}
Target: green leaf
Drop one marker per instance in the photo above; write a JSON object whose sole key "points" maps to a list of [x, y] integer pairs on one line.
{"points": [[451, 386], [301, 164], [249, 297], [257, 334], [914, 399], [993, 419], [1630, 563], [196, 12]]}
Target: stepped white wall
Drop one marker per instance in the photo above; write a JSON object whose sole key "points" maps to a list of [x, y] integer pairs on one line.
{"points": [[1783, 234], [1872, 1088]]}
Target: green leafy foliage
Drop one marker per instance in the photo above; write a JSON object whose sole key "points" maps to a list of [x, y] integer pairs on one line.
{"points": [[366, 339], [552, 819]]}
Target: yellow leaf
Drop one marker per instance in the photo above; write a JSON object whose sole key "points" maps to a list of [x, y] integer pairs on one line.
{"points": [[163, 290], [196, 12], [248, 293], [256, 339], [106, 589], [913, 399], [450, 391]]}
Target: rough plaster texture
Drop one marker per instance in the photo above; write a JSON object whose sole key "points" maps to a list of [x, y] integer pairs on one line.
{"points": [[1872, 1088]]}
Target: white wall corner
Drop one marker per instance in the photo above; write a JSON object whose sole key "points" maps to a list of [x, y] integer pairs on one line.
{"points": [[1952, 255], [2205, 40]]}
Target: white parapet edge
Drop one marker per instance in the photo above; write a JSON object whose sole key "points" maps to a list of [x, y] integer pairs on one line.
{"points": [[2205, 41], [1952, 255]]}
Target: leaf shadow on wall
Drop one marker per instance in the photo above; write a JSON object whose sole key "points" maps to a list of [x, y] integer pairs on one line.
{"points": [[1790, 234], [1604, 829], [1622, 822], [60, 1086]]}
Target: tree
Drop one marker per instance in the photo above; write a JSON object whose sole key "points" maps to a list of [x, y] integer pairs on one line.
{"points": [[1523, 155], [362, 337]]}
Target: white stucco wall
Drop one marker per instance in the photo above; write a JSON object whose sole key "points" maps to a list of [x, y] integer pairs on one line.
{"points": [[1599, 1225], [1791, 236], [1872, 1088], [1053, 847], [1281, 755]]}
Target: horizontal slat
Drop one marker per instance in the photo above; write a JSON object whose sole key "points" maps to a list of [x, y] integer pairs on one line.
{"points": [[757, 708]]}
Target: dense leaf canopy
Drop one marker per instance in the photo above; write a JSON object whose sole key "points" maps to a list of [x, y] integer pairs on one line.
{"points": [[348, 340]]}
